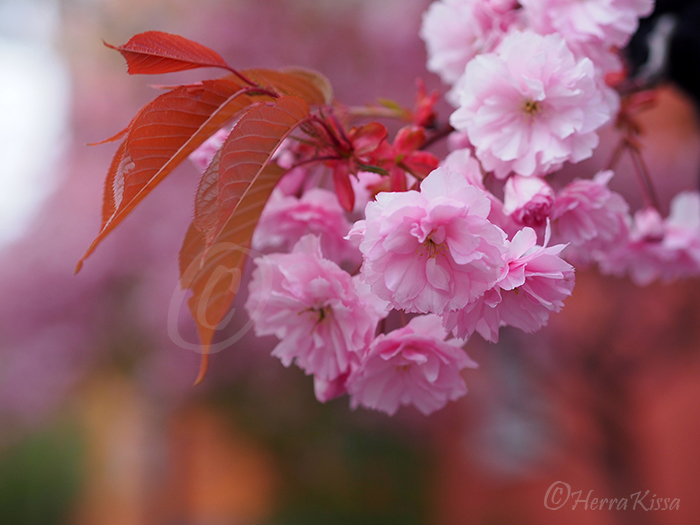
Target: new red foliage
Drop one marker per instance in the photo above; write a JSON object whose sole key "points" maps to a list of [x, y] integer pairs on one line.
{"points": [[161, 136], [155, 52], [265, 106], [231, 197]]}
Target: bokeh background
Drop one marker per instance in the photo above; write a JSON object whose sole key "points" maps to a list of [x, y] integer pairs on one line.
{"points": [[99, 421]]}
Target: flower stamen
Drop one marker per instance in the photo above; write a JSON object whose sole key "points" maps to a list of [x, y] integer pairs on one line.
{"points": [[322, 312], [431, 248], [531, 107]]}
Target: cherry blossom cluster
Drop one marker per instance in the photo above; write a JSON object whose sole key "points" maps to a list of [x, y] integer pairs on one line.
{"points": [[364, 233], [530, 82], [430, 251]]}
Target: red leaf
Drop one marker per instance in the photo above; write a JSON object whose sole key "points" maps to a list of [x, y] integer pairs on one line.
{"points": [[421, 163], [425, 115], [213, 272], [408, 139], [155, 52], [306, 84], [397, 176], [367, 138], [343, 186], [160, 137], [247, 150], [167, 130], [232, 195]]}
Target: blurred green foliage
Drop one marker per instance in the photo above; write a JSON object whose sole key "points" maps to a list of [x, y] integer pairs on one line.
{"points": [[337, 466], [40, 476]]}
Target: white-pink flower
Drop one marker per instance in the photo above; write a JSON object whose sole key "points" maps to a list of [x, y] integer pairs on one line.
{"points": [[534, 284], [531, 106], [590, 217], [325, 390], [286, 219], [321, 316], [537, 282], [528, 200], [660, 249], [430, 251], [365, 186], [455, 31], [462, 161], [410, 366], [609, 21]]}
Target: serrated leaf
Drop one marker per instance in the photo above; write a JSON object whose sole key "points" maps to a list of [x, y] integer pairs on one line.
{"points": [[232, 195], [164, 132], [160, 137], [247, 150], [210, 269], [155, 52]]}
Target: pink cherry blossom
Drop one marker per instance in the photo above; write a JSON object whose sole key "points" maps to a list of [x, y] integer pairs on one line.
{"points": [[322, 318], [294, 182], [202, 156], [480, 316], [590, 217], [537, 282], [531, 106], [534, 284], [410, 366], [660, 249], [455, 31], [458, 140], [504, 221], [462, 161], [501, 6], [430, 251], [286, 154], [528, 200], [286, 219], [610, 21], [366, 185], [325, 390], [591, 28]]}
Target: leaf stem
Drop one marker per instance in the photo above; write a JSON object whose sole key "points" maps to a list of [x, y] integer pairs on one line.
{"points": [[340, 129], [315, 159], [245, 79], [259, 90], [617, 154], [328, 130], [640, 168], [440, 134], [374, 112]]}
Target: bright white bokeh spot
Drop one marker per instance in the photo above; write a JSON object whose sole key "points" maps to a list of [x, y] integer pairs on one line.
{"points": [[34, 108]]}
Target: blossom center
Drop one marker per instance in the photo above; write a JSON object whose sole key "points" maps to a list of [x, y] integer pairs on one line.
{"points": [[431, 248], [531, 107], [535, 213], [321, 312]]}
